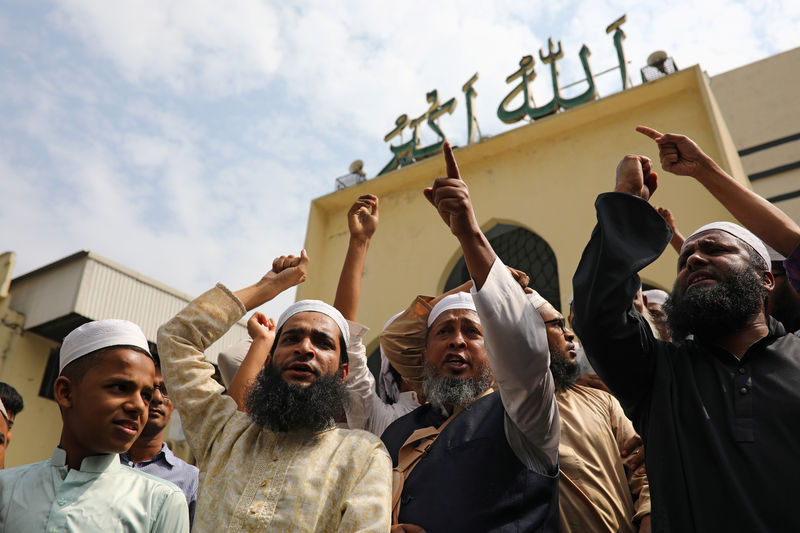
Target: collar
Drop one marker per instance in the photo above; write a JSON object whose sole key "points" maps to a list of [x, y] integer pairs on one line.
{"points": [[164, 453], [93, 463], [169, 457]]}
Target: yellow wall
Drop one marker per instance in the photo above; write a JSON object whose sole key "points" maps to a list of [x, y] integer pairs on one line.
{"points": [[24, 358], [542, 176]]}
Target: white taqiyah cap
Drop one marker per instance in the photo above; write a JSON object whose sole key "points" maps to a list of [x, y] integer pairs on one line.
{"points": [[655, 296], [93, 336], [536, 299], [459, 300], [316, 306], [738, 232]]}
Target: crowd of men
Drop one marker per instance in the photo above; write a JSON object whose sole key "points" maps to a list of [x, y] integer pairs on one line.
{"points": [[485, 415]]}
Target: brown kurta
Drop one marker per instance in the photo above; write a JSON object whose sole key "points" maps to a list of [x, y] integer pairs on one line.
{"points": [[595, 491]]}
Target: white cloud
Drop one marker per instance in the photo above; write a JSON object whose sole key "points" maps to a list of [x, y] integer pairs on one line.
{"points": [[186, 139]]}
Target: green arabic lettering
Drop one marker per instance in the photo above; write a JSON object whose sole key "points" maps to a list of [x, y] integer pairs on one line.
{"points": [[410, 151], [619, 36], [589, 94], [432, 114], [527, 74], [472, 121], [402, 152], [550, 59]]}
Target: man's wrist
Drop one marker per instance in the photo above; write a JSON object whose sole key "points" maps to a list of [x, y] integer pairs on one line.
{"points": [[361, 241], [627, 190]]}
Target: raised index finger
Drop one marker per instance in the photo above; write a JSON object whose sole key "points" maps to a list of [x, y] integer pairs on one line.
{"points": [[450, 162], [650, 132]]}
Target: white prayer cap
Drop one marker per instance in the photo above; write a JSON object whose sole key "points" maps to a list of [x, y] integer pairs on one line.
{"points": [[655, 296], [316, 306], [99, 334], [536, 299], [738, 232], [3, 410], [459, 300]]}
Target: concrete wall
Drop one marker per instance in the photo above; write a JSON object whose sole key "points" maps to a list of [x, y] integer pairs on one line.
{"points": [[759, 103]]}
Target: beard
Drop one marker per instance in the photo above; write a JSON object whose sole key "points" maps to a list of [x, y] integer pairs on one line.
{"points": [[274, 404], [565, 371], [717, 310], [450, 393]]}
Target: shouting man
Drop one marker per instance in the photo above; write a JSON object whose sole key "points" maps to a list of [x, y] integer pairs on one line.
{"points": [[718, 407]]}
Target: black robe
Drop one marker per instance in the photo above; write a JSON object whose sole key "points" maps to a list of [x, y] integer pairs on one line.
{"points": [[722, 435]]}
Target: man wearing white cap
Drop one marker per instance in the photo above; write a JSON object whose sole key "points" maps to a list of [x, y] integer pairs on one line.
{"points": [[283, 465], [654, 301], [104, 388], [482, 454], [717, 408]]}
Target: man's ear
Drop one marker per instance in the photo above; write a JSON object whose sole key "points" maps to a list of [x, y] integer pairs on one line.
{"points": [[63, 389], [344, 369], [768, 280]]}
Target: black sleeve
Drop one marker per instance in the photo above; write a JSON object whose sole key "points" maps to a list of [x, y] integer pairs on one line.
{"points": [[629, 235]]}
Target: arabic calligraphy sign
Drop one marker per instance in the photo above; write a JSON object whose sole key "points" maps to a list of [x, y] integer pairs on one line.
{"points": [[411, 151]]}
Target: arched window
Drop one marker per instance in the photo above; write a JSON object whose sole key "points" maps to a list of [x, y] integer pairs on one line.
{"points": [[523, 250]]}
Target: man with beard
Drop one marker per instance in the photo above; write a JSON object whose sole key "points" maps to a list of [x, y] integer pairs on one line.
{"points": [[475, 458], [283, 465], [718, 407], [149, 453], [598, 489]]}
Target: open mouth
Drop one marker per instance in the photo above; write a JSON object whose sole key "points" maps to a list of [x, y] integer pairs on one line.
{"points": [[301, 370], [699, 278], [455, 362]]}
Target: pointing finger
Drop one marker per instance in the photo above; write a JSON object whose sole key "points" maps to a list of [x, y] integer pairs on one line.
{"points": [[450, 162], [650, 132]]}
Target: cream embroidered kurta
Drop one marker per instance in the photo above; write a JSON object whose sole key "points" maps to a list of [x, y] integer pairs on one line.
{"points": [[253, 479], [595, 491]]}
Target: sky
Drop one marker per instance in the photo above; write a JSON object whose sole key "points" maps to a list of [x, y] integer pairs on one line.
{"points": [[186, 139]]}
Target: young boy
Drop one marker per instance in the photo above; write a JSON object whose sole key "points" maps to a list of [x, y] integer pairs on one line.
{"points": [[103, 391]]}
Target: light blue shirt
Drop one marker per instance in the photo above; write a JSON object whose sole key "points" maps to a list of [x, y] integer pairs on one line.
{"points": [[103, 496]]}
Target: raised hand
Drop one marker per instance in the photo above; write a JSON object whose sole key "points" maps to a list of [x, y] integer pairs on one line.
{"points": [[635, 176], [288, 270], [522, 278], [261, 327], [678, 153], [362, 218], [450, 197]]}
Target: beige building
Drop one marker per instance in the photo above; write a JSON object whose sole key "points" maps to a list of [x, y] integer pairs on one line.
{"points": [[533, 189], [43, 306], [759, 104]]}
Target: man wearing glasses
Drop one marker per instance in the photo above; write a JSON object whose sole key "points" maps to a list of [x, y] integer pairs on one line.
{"points": [[602, 485], [149, 453]]}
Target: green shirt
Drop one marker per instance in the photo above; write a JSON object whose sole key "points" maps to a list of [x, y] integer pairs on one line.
{"points": [[103, 496]]}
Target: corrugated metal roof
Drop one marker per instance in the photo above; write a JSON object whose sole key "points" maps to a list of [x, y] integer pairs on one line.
{"points": [[94, 287]]}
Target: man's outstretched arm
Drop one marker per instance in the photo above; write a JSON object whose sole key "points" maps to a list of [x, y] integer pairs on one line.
{"points": [[183, 339], [629, 235], [262, 330], [682, 156], [514, 333]]}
